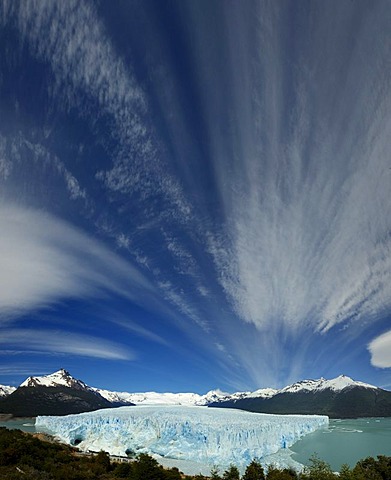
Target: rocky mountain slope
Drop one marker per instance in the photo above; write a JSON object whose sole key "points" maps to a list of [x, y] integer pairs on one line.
{"points": [[341, 397], [55, 394]]}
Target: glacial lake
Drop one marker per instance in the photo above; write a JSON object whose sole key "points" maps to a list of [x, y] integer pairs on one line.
{"points": [[346, 441], [343, 441], [24, 424]]}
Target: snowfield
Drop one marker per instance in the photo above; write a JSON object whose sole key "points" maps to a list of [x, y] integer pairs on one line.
{"points": [[206, 436]]}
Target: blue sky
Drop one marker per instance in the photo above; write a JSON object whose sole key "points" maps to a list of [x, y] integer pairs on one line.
{"points": [[195, 194]]}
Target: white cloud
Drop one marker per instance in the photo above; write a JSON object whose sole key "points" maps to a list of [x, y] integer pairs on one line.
{"points": [[62, 342], [18, 154], [380, 349], [306, 238], [44, 260], [73, 40]]}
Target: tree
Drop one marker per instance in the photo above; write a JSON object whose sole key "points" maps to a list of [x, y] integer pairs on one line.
{"points": [[103, 460], [254, 471], [367, 469], [317, 470], [123, 470], [147, 468], [215, 473], [346, 473], [231, 474], [284, 474]]}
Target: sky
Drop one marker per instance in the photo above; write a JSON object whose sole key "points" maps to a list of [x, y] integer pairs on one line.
{"points": [[195, 194]]}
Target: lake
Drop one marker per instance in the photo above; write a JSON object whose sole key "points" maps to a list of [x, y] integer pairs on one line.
{"points": [[346, 441], [24, 424]]}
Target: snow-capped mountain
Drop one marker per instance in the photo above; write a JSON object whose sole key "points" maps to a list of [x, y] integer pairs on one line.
{"points": [[336, 384], [59, 378], [150, 398], [6, 390], [64, 378], [55, 394], [167, 398], [340, 397]]}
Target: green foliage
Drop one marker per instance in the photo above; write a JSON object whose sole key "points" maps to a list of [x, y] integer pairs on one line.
{"points": [[274, 473], [147, 468], [317, 470], [215, 474], [232, 473], [123, 470], [345, 473], [371, 469], [254, 471]]}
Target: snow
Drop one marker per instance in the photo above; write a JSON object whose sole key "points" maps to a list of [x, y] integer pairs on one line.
{"points": [[200, 435], [214, 396], [61, 377], [6, 390], [167, 398], [337, 384], [263, 392]]}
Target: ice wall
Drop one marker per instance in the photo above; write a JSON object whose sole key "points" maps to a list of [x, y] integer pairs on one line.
{"points": [[209, 436]]}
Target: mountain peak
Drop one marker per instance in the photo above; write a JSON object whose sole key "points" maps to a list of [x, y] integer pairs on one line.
{"points": [[336, 384], [60, 377]]}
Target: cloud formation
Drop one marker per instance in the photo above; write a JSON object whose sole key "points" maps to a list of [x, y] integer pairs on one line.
{"points": [[380, 350], [44, 260], [62, 342], [255, 196], [306, 239]]}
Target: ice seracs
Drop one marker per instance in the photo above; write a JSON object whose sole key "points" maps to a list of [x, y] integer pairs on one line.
{"points": [[199, 434]]}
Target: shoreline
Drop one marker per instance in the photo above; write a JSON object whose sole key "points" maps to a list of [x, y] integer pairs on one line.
{"points": [[5, 417]]}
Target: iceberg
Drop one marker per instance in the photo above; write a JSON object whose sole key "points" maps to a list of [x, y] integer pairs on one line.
{"points": [[201, 435]]}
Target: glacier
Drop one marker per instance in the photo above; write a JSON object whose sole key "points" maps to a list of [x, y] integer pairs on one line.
{"points": [[201, 435]]}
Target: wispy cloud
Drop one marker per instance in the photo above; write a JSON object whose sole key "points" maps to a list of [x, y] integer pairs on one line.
{"points": [[19, 155], [21, 369], [60, 342], [293, 241], [306, 240], [44, 260], [303, 174], [380, 350], [72, 38]]}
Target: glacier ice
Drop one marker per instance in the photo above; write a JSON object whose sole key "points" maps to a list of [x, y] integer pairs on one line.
{"points": [[207, 436]]}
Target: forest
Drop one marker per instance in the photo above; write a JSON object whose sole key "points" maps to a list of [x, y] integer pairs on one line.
{"points": [[24, 456]]}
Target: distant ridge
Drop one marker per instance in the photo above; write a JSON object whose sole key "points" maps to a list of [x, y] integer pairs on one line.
{"points": [[341, 397], [59, 394], [55, 394]]}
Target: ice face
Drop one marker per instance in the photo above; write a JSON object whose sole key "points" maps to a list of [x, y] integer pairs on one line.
{"points": [[209, 436]]}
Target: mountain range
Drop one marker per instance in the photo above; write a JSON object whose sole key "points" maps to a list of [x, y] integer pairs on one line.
{"points": [[59, 394]]}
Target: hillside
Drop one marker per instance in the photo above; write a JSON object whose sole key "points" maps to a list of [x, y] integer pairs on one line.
{"points": [[350, 402], [59, 400]]}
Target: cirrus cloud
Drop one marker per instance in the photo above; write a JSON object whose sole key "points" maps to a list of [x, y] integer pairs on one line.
{"points": [[44, 260]]}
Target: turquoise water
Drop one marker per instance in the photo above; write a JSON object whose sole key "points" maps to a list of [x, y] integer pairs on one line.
{"points": [[346, 441], [24, 424]]}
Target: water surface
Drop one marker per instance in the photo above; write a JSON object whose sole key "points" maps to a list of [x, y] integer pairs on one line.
{"points": [[24, 424], [346, 441]]}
